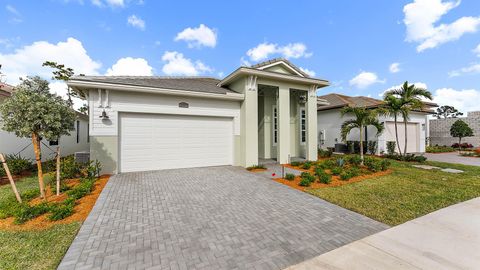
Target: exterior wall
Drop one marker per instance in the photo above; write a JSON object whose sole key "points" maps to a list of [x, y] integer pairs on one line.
{"points": [[11, 144], [105, 150], [330, 122], [105, 132], [440, 130]]}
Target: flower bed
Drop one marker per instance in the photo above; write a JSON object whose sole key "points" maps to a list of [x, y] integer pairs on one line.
{"points": [[333, 172]]}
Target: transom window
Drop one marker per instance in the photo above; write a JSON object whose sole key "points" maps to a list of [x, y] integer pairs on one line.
{"points": [[303, 126]]}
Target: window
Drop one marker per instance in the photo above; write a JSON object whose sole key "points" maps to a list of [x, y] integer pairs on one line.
{"points": [[78, 131], [51, 143], [303, 126], [275, 125]]}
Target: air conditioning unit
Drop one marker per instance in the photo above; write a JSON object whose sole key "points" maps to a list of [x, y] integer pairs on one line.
{"points": [[82, 157]]}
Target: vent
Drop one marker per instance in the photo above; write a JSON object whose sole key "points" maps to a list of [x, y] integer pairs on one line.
{"points": [[82, 157]]}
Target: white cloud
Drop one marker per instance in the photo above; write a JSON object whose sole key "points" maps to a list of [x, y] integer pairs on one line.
{"points": [[472, 69], [394, 68], [136, 22], [12, 10], [28, 60], [16, 16], [365, 79], [264, 50], [477, 50], [131, 67], [177, 64], [110, 3], [421, 17], [309, 72], [465, 100], [198, 37], [60, 88]]}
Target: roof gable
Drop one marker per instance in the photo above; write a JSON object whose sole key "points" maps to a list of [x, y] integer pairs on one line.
{"points": [[281, 65]]}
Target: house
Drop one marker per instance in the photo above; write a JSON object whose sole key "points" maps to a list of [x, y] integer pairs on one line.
{"points": [[330, 121], [267, 111], [78, 141], [440, 130]]}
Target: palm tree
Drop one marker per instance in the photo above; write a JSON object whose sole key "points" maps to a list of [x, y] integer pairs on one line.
{"points": [[393, 107], [411, 99], [362, 118]]}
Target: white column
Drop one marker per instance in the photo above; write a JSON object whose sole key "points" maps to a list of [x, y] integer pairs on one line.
{"points": [[312, 131], [283, 108], [250, 110]]}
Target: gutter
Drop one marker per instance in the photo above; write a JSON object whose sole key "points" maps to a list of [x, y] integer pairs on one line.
{"points": [[77, 84]]}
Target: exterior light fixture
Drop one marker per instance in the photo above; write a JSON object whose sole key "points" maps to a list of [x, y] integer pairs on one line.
{"points": [[104, 115]]}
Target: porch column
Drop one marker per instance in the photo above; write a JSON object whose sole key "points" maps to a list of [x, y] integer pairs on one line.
{"points": [[283, 108], [312, 131], [250, 121]]}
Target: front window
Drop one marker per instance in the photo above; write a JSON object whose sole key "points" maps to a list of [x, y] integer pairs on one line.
{"points": [[275, 125], [303, 126]]}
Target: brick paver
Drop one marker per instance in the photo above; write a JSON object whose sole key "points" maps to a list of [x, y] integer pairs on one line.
{"points": [[209, 218]]}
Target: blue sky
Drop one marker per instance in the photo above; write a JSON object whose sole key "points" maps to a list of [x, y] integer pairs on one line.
{"points": [[353, 44]]}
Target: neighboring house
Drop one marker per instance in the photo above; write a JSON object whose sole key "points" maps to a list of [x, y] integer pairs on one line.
{"points": [[78, 141], [267, 111], [330, 121], [440, 130]]}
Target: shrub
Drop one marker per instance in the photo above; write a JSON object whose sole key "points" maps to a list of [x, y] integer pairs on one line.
{"points": [[290, 176], [304, 183], [385, 164], [307, 165], [462, 146], [295, 163], [350, 147], [391, 147], [306, 177], [70, 168], [62, 210], [340, 162], [420, 159], [373, 164], [319, 171], [336, 170], [324, 153], [439, 149], [16, 164], [251, 168], [344, 176], [372, 147], [82, 189], [355, 160], [324, 178], [93, 168], [26, 212]]}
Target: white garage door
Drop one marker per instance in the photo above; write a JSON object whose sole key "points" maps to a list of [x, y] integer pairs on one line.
{"points": [[155, 142], [413, 133]]}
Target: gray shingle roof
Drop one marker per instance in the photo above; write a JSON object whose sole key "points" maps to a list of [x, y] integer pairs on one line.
{"points": [[194, 84], [275, 60]]}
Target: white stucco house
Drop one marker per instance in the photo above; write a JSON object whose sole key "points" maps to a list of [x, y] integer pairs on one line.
{"points": [[267, 111], [330, 121], [78, 141]]}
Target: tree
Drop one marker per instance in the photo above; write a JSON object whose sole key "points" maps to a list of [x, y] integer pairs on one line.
{"points": [[362, 118], [63, 73], [460, 130], [83, 109], [411, 99], [393, 107], [447, 111], [33, 112]]}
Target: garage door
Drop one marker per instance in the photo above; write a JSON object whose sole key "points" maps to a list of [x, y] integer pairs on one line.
{"points": [[155, 142], [413, 133]]}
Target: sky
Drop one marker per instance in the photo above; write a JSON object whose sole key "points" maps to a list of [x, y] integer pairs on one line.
{"points": [[361, 47]]}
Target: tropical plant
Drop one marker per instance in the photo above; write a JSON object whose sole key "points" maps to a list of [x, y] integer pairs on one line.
{"points": [[410, 99], [460, 130], [391, 147], [362, 118], [393, 108], [33, 112]]}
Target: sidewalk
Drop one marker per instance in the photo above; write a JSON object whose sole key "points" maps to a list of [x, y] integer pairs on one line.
{"points": [[446, 239]]}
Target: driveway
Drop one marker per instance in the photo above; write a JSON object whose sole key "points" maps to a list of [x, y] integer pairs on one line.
{"points": [[209, 218], [446, 239], [453, 157]]}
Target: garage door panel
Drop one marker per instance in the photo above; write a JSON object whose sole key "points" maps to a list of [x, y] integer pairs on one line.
{"points": [[153, 142], [413, 133]]}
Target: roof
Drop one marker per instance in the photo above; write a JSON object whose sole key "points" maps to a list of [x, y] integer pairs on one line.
{"points": [[276, 60], [5, 90], [339, 101], [194, 84]]}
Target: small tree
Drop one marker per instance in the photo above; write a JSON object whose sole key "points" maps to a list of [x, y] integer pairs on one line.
{"points": [[362, 118], [63, 73], [460, 130], [33, 112], [446, 112]]}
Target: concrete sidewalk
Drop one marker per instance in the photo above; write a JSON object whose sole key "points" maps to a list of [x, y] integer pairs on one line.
{"points": [[445, 239]]}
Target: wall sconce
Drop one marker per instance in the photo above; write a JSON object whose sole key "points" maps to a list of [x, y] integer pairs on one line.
{"points": [[302, 99], [104, 115]]}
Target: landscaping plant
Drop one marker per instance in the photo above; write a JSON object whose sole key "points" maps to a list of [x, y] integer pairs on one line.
{"points": [[324, 153], [391, 147], [290, 176], [256, 167], [460, 130], [336, 170], [306, 179], [355, 160], [324, 178], [372, 147], [307, 165]]}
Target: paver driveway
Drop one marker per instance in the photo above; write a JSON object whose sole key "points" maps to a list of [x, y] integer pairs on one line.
{"points": [[209, 218]]}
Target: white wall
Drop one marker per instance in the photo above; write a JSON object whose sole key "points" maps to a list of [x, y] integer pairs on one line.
{"points": [[11, 144], [330, 122], [119, 101]]}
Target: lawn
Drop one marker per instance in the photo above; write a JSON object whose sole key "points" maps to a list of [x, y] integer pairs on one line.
{"points": [[407, 193]]}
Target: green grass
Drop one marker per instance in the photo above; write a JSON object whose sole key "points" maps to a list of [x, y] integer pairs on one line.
{"points": [[407, 193], [43, 249], [39, 249]]}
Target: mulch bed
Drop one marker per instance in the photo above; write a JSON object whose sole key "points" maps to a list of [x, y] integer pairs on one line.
{"points": [[81, 210], [4, 180]]}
